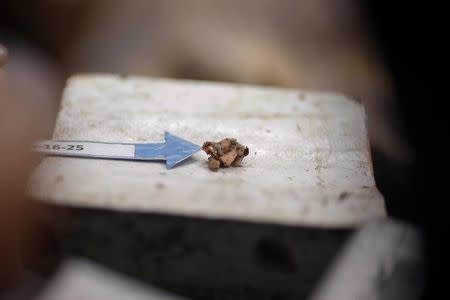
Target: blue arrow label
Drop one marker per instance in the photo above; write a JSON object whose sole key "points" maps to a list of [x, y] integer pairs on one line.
{"points": [[173, 150]]}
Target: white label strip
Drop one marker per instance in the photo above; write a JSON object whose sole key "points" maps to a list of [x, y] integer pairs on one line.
{"points": [[94, 149]]}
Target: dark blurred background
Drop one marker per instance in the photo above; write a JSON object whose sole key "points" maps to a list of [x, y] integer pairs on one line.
{"points": [[392, 57]]}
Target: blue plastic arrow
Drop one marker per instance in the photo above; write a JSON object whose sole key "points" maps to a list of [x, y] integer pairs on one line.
{"points": [[173, 150]]}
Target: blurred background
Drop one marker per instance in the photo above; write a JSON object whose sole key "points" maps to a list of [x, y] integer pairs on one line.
{"points": [[341, 46], [319, 45]]}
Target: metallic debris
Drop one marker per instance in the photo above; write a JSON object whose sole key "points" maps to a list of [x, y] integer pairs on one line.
{"points": [[228, 152]]}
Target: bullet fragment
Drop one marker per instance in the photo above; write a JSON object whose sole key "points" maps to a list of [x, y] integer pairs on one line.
{"points": [[228, 152]]}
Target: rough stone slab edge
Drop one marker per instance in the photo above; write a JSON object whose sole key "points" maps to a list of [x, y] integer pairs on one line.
{"points": [[350, 224]]}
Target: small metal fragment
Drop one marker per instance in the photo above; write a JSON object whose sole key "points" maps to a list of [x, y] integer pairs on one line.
{"points": [[228, 152], [213, 164]]}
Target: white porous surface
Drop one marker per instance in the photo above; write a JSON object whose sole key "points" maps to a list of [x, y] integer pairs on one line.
{"points": [[309, 161]]}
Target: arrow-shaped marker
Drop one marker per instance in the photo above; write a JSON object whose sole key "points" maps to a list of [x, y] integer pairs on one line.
{"points": [[173, 150]]}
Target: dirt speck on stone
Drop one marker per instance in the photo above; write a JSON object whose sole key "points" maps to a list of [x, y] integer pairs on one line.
{"points": [[160, 185], [343, 196], [228, 152], [59, 178]]}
